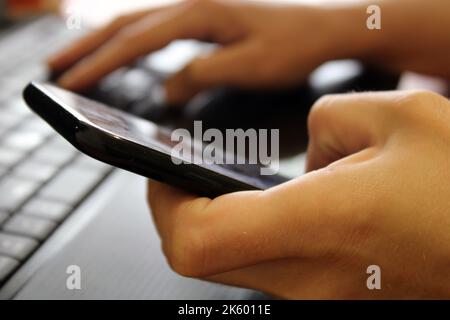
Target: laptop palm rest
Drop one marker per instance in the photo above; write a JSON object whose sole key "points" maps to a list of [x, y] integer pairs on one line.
{"points": [[112, 239]]}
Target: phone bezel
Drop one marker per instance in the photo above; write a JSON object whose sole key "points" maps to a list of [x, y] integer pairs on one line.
{"points": [[126, 154]]}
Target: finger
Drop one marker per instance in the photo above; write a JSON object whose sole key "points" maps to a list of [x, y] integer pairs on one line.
{"points": [[165, 198], [185, 21], [295, 278], [224, 67], [306, 217], [341, 125], [69, 56]]}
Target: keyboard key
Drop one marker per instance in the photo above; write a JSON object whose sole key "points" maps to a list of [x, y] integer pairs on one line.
{"points": [[53, 155], [9, 158], [37, 125], [3, 130], [7, 91], [35, 71], [23, 140], [92, 164], [7, 265], [15, 246], [14, 191], [3, 217], [46, 209], [29, 226], [71, 185], [35, 171], [18, 107], [9, 119], [62, 144]]}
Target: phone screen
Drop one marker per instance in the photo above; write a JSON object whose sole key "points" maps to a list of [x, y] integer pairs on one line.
{"points": [[125, 126]]}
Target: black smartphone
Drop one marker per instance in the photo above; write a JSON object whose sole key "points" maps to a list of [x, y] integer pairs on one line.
{"points": [[137, 145]]}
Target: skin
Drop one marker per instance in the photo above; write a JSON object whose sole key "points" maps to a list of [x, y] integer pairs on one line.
{"points": [[376, 191]]}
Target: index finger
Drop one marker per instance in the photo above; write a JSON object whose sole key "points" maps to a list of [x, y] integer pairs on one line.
{"points": [[154, 32], [68, 56], [301, 218]]}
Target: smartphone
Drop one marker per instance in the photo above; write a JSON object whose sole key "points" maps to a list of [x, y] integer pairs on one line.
{"points": [[137, 145]]}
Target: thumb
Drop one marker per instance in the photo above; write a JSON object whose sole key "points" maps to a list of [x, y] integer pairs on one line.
{"points": [[348, 127]]}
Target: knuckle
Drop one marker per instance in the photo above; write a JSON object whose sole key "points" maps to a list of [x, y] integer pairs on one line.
{"points": [[200, 4], [267, 70], [126, 35], [423, 96], [196, 15], [188, 246], [120, 20], [321, 113], [418, 99], [195, 73], [420, 105], [186, 253], [324, 104]]}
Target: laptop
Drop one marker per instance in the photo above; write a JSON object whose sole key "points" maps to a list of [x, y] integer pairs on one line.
{"points": [[61, 210]]}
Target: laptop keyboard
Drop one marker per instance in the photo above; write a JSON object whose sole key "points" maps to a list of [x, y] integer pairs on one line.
{"points": [[42, 177]]}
